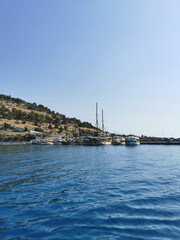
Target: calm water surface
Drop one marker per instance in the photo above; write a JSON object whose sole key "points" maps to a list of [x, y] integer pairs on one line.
{"points": [[110, 192]]}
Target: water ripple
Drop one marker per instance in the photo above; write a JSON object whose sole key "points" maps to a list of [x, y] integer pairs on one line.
{"points": [[56, 192]]}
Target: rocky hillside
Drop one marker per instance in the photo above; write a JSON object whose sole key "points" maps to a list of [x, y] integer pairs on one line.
{"points": [[19, 115]]}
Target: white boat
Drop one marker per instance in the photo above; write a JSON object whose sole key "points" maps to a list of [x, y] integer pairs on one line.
{"points": [[132, 141], [42, 142], [106, 142], [47, 143], [118, 141], [97, 141]]}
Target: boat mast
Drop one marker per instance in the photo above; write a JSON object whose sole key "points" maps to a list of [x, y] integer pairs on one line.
{"points": [[102, 122], [97, 118]]}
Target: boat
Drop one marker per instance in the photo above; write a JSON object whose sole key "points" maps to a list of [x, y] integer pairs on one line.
{"points": [[65, 142], [90, 141], [132, 141], [58, 142], [77, 141], [105, 141], [47, 143], [42, 142], [118, 141], [86, 141], [97, 141]]}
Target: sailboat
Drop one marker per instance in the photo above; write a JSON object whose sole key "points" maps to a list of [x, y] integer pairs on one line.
{"points": [[99, 140]]}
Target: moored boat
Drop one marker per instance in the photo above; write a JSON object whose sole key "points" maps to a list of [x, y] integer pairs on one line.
{"points": [[132, 141], [106, 141], [57, 142], [42, 142], [97, 141], [64, 142], [118, 141]]}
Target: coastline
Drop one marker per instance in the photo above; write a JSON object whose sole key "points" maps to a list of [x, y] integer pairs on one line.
{"points": [[30, 143], [14, 143]]}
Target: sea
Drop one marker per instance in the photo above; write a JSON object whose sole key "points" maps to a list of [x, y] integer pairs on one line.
{"points": [[83, 192]]}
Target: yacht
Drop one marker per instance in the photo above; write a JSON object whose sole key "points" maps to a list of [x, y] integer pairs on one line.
{"points": [[132, 141], [105, 141], [97, 141], [118, 141]]}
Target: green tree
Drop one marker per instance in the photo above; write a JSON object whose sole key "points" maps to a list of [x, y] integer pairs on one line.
{"points": [[60, 130], [38, 129], [75, 134]]}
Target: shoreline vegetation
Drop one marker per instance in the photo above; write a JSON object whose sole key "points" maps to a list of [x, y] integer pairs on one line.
{"points": [[17, 115]]}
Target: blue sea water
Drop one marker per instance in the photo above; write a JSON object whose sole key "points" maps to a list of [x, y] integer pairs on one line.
{"points": [[105, 192]]}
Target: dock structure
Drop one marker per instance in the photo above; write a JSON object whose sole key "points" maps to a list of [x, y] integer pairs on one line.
{"points": [[161, 141]]}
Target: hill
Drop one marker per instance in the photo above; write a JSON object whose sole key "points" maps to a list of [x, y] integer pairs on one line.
{"points": [[17, 115]]}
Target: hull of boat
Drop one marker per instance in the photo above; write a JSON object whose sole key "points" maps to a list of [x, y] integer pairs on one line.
{"points": [[44, 143], [118, 143], [65, 143], [100, 143], [97, 143], [132, 143], [106, 143], [57, 143]]}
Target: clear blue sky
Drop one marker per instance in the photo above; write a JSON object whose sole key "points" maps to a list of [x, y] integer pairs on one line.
{"points": [[70, 54]]}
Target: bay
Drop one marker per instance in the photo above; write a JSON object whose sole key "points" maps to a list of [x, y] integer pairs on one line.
{"points": [[78, 192]]}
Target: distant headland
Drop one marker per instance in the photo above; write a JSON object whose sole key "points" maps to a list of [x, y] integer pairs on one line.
{"points": [[21, 120]]}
